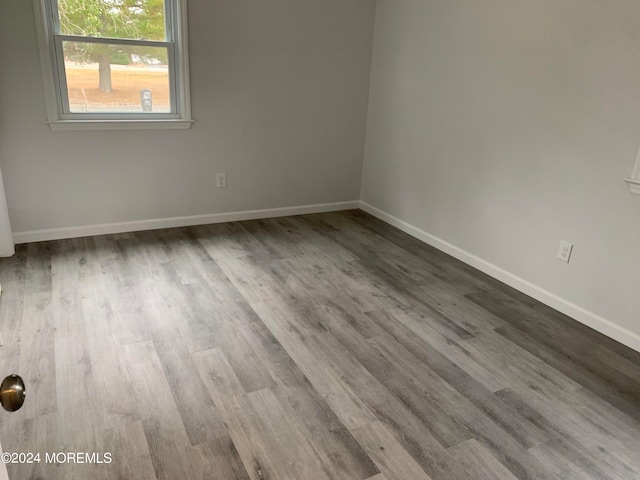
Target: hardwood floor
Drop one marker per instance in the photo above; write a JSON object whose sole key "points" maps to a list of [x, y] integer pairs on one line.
{"points": [[328, 346]]}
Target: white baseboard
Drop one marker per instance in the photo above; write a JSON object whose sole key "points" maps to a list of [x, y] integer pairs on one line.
{"points": [[582, 315], [158, 223]]}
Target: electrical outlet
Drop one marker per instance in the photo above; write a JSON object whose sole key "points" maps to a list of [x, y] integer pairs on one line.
{"points": [[221, 180], [564, 252]]}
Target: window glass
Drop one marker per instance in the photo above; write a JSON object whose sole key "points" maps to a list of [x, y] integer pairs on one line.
{"points": [[105, 78], [128, 19]]}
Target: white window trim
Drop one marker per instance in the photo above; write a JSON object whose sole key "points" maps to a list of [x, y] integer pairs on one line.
{"points": [[634, 180], [54, 115]]}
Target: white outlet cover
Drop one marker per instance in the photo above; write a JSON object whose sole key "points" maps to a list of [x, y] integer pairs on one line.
{"points": [[221, 180], [564, 252]]}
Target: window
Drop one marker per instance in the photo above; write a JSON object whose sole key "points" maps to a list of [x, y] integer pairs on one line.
{"points": [[111, 64]]}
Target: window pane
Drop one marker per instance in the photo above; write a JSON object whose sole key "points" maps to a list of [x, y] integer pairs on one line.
{"points": [[116, 78], [132, 19]]}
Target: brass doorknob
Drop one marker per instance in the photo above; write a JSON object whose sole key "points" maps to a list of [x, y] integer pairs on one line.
{"points": [[12, 393]]}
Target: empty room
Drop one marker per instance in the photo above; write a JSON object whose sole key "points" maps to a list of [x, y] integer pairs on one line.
{"points": [[319, 239]]}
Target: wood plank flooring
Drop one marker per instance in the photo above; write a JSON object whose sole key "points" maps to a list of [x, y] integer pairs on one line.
{"points": [[328, 346]]}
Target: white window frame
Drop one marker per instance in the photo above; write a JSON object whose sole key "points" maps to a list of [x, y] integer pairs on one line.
{"points": [[52, 61]]}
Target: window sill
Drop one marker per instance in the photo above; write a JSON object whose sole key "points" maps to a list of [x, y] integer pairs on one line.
{"points": [[634, 184], [67, 125]]}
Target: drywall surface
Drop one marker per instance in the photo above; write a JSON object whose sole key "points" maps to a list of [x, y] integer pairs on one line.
{"points": [[279, 94], [503, 127]]}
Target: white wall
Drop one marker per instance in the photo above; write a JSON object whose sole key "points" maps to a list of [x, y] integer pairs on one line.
{"points": [[279, 94], [504, 126]]}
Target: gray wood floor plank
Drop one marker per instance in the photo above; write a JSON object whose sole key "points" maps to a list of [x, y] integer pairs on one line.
{"points": [[109, 372], [443, 292], [11, 309], [460, 273], [37, 269], [520, 405], [424, 394], [515, 365], [173, 342], [479, 461], [165, 433], [199, 416], [76, 406], [415, 436], [340, 454], [237, 412], [37, 354], [274, 237], [566, 453], [288, 447], [393, 460], [493, 381], [622, 396], [187, 305], [603, 356], [409, 276], [129, 451], [351, 410], [476, 423], [250, 370], [524, 431], [567, 414], [569, 462], [379, 476], [37, 435], [220, 459]]}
